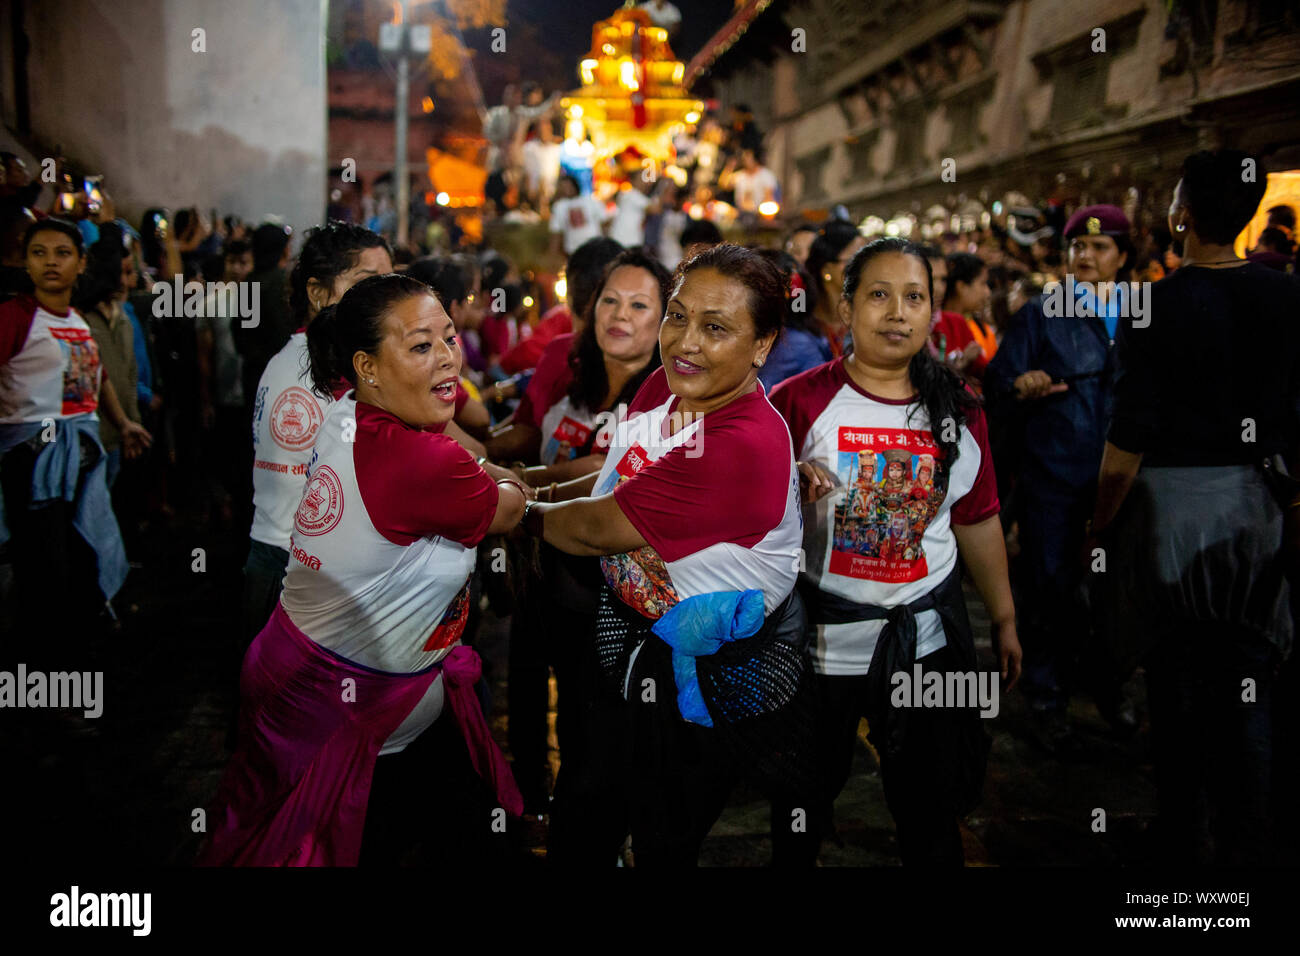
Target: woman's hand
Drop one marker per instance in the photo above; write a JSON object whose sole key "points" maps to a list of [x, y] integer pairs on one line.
{"points": [[1006, 645], [815, 482], [135, 439]]}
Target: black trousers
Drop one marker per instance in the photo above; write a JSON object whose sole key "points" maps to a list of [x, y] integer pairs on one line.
{"points": [[55, 599], [546, 634], [429, 807], [917, 785], [1213, 750]]}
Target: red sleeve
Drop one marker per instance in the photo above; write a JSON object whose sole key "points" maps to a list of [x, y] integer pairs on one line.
{"points": [[462, 396], [981, 502], [956, 334], [415, 483], [732, 485], [528, 353], [548, 384], [802, 398], [654, 391], [15, 325]]}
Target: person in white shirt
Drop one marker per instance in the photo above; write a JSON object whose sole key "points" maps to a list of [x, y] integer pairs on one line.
{"points": [[575, 218], [753, 184], [287, 413], [664, 15], [628, 225]]}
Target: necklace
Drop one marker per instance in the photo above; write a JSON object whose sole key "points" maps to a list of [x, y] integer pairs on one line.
{"points": [[1216, 262]]}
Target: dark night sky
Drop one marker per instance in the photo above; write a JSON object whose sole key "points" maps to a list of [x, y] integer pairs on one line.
{"points": [[566, 24]]}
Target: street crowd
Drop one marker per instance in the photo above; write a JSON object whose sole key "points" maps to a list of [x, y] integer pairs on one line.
{"points": [[725, 491]]}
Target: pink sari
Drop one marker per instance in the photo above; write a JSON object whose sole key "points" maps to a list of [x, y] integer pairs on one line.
{"points": [[296, 788]]}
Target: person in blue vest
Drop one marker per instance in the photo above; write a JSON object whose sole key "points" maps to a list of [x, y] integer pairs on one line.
{"points": [[1049, 384]]}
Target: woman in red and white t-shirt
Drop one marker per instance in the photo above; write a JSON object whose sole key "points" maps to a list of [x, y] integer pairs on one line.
{"points": [[350, 667], [584, 382], [894, 454], [52, 388], [696, 512]]}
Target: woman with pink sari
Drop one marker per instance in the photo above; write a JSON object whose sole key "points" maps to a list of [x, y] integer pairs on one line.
{"points": [[363, 649]]}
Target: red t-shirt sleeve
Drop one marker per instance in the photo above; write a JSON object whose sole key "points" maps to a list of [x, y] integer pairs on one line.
{"points": [[730, 484], [417, 483], [802, 398], [15, 325], [548, 384], [981, 502]]}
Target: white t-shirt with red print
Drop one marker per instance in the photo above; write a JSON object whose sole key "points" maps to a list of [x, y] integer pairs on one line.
{"points": [[49, 364], [383, 546], [286, 416], [884, 536], [717, 502]]}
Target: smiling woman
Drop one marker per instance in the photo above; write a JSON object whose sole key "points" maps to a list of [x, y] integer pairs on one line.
{"points": [[376, 595], [696, 516]]}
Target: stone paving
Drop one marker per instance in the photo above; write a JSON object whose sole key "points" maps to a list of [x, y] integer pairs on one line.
{"points": [[124, 792]]}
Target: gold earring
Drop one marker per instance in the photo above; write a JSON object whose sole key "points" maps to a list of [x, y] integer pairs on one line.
{"points": [[826, 276]]}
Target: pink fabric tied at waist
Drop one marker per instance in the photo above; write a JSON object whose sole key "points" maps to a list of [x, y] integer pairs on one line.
{"points": [[296, 788]]}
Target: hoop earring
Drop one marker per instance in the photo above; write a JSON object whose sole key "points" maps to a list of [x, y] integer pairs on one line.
{"points": [[1181, 227]]}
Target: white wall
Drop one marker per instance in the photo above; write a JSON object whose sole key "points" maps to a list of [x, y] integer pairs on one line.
{"points": [[241, 127]]}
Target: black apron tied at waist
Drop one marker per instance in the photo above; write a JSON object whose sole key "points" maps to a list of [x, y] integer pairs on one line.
{"points": [[896, 651]]}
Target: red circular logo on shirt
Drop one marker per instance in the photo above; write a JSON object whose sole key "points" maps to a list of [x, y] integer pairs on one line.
{"points": [[322, 503], [294, 419]]}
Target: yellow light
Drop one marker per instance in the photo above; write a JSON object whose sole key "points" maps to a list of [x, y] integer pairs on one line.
{"points": [[575, 111], [679, 71], [561, 287], [443, 199], [768, 208], [627, 74], [607, 49], [658, 33], [588, 68], [693, 116], [528, 302], [426, 104]]}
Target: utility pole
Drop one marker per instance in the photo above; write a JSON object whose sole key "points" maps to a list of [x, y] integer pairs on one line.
{"points": [[403, 39], [399, 167]]}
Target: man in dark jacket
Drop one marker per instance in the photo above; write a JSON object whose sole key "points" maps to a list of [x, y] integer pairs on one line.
{"points": [[1050, 380]]}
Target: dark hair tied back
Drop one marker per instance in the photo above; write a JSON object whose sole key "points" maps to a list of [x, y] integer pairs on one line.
{"points": [[355, 324]]}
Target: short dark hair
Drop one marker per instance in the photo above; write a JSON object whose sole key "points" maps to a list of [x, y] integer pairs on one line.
{"points": [[1281, 215], [269, 240], [767, 285], [700, 231], [1217, 195], [585, 271], [236, 248], [450, 277], [1276, 240], [55, 224], [962, 267]]}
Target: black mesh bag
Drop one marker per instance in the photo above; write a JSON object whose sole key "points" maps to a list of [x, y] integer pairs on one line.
{"points": [[759, 690]]}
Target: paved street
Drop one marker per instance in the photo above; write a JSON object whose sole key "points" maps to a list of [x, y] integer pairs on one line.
{"points": [[127, 792]]}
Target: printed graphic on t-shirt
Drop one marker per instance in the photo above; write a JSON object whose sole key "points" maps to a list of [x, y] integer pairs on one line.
{"points": [[80, 370], [322, 502], [569, 437], [577, 218], [640, 577], [294, 419], [452, 624], [895, 481]]}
